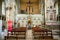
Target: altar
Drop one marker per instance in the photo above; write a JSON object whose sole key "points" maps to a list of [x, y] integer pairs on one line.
{"points": [[32, 20]]}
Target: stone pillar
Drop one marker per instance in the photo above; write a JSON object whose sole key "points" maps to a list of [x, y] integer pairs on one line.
{"points": [[0, 18], [57, 9], [10, 10], [1, 9], [18, 6], [39, 6], [42, 6]]}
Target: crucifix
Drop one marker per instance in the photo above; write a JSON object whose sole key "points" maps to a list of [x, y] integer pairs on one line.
{"points": [[29, 2]]}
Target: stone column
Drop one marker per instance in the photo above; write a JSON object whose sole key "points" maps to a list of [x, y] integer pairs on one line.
{"points": [[18, 6], [1, 9], [42, 6], [57, 9], [39, 6], [10, 10]]}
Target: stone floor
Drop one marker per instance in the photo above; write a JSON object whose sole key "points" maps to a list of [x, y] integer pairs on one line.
{"points": [[29, 35]]}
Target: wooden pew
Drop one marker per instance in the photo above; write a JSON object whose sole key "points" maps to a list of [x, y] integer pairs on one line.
{"points": [[47, 39], [13, 38], [36, 32], [10, 38], [40, 33], [20, 33]]}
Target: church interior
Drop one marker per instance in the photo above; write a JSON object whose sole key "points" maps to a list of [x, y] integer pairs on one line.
{"points": [[30, 20]]}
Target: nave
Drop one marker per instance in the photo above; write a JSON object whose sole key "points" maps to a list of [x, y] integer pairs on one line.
{"points": [[34, 33]]}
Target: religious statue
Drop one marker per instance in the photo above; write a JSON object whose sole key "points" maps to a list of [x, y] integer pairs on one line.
{"points": [[29, 23]]}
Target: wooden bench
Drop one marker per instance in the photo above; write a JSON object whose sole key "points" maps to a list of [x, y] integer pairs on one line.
{"points": [[10, 38], [47, 39], [40, 33], [19, 33], [13, 38], [42, 37]]}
